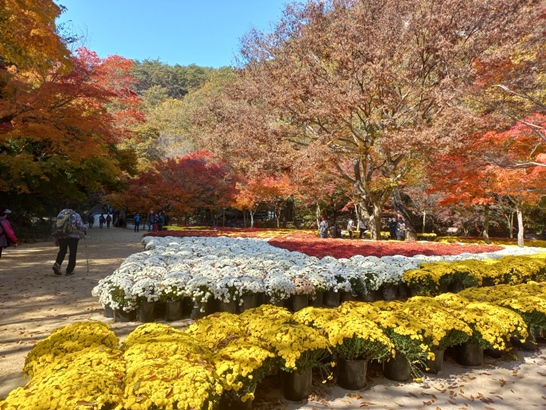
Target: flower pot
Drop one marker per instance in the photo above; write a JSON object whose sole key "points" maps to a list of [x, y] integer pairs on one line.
{"points": [[108, 312], [317, 300], [298, 302], [121, 315], [346, 297], [296, 386], [416, 291], [260, 298], [469, 354], [331, 299], [270, 301], [199, 311], [403, 291], [528, 345], [229, 307], [397, 368], [436, 366], [351, 374], [493, 353], [146, 312], [389, 292], [371, 296], [187, 307], [249, 302], [174, 310], [539, 335], [160, 310]]}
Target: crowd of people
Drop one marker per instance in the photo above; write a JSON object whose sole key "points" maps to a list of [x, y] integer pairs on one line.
{"points": [[397, 229], [69, 228]]}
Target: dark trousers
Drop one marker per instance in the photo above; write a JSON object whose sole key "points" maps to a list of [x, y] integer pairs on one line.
{"points": [[70, 244], [137, 226]]}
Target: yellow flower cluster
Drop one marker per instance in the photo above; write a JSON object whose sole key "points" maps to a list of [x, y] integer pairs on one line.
{"points": [[492, 325], [167, 368], [216, 330], [87, 378], [527, 299], [241, 365], [68, 339], [444, 326], [315, 316], [352, 336], [434, 278], [495, 325]]}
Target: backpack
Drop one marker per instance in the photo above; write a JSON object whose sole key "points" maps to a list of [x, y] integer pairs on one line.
{"points": [[63, 227]]}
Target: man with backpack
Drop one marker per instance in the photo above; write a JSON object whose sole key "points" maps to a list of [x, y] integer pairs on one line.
{"points": [[67, 231]]}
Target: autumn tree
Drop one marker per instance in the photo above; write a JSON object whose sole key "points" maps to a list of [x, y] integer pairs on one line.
{"points": [[57, 139], [194, 185], [30, 44], [468, 178], [510, 91], [375, 86]]}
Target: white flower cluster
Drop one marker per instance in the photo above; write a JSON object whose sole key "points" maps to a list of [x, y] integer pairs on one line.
{"points": [[227, 268]]}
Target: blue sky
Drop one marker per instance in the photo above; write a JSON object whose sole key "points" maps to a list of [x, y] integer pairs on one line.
{"points": [[201, 32]]}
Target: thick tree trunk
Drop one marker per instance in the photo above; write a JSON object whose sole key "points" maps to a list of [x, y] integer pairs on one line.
{"points": [[251, 218], [520, 228], [411, 234], [486, 225], [374, 200], [511, 225], [374, 222]]}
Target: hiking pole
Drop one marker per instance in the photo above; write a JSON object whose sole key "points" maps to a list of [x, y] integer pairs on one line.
{"points": [[86, 256]]}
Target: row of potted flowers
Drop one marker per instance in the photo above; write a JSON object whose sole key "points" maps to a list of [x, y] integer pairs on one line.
{"points": [[221, 359], [226, 269]]}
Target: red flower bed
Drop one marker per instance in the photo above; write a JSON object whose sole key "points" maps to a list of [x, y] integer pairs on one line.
{"points": [[345, 248], [307, 242]]}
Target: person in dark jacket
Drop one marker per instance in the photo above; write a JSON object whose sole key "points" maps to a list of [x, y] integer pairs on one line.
{"points": [[400, 229]]}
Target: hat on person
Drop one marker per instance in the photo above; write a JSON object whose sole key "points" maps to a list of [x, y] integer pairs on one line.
{"points": [[4, 210]]}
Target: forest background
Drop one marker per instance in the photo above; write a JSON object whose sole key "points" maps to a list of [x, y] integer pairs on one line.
{"points": [[433, 110]]}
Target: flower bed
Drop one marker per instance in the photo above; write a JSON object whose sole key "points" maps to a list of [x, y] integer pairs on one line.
{"points": [[225, 269], [225, 356]]}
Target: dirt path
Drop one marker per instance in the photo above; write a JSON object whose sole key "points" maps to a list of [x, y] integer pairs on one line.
{"points": [[33, 302]]}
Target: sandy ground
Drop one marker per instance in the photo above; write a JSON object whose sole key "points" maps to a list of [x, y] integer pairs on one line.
{"points": [[33, 302]]}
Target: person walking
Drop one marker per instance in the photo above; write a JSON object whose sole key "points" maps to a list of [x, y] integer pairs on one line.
{"points": [[392, 228], [351, 227], [90, 220], [136, 220], [160, 221], [69, 229], [108, 220], [151, 218], [400, 229], [7, 235], [102, 221], [323, 227]]}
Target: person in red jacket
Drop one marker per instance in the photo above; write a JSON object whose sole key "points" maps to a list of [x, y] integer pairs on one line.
{"points": [[7, 236]]}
